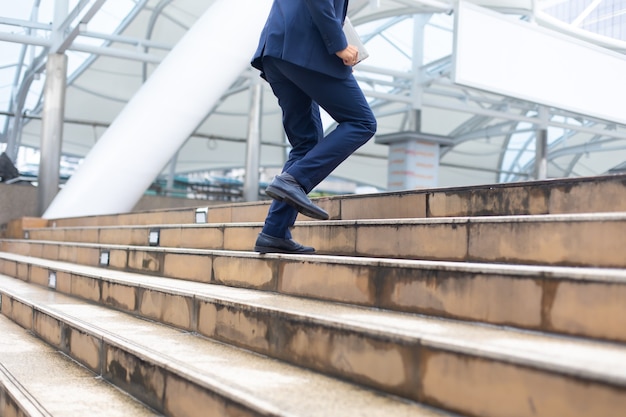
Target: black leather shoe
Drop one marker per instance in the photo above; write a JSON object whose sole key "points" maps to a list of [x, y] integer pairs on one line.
{"points": [[285, 188], [266, 243]]}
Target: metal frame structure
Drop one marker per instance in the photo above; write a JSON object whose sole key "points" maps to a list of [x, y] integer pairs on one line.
{"points": [[394, 94]]}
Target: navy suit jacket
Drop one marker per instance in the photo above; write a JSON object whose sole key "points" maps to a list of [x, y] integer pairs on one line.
{"points": [[306, 33]]}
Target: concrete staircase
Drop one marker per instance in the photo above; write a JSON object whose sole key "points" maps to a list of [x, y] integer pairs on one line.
{"points": [[503, 300]]}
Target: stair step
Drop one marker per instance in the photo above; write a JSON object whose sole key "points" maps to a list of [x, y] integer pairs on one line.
{"points": [[36, 380], [533, 297], [179, 373], [483, 301], [419, 358], [574, 239], [555, 196]]}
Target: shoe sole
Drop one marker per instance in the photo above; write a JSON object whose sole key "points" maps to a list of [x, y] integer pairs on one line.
{"points": [[269, 249], [278, 195]]}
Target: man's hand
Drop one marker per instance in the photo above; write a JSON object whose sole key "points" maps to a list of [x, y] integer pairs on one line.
{"points": [[349, 55]]}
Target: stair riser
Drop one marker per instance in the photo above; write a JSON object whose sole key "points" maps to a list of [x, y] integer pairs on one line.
{"points": [[593, 195], [250, 212], [424, 373], [574, 195], [536, 302], [575, 243], [389, 365], [151, 382], [166, 391], [172, 216], [8, 407], [578, 243], [474, 386]]}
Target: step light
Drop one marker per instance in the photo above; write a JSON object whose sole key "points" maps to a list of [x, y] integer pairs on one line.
{"points": [[201, 215], [104, 258], [26, 234], [52, 280], [153, 237]]}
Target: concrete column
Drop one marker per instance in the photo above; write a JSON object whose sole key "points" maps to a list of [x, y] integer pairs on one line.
{"points": [[415, 120], [412, 165], [541, 145], [253, 149], [13, 145], [52, 130], [413, 159], [541, 155], [171, 176]]}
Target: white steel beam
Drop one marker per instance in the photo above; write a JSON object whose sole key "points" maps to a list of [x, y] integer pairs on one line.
{"points": [[64, 42], [24, 23], [25, 39], [116, 53]]}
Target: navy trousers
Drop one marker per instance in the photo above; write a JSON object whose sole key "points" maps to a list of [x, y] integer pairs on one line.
{"points": [[300, 93]]}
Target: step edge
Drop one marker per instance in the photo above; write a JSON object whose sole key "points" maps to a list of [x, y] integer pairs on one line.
{"points": [[526, 218]]}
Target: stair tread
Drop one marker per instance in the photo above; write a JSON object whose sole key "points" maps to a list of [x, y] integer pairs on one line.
{"points": [[270, 385], [575, 356], [45, 376]]}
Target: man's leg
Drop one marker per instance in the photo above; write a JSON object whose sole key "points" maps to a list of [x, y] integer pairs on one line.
{"points": [[344, 101], [303, 126]]}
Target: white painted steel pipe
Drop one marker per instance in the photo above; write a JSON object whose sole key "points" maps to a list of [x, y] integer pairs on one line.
{"points": [[165, 111]]}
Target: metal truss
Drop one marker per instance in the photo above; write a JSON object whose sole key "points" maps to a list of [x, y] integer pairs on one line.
{"points": [[391, 92]]}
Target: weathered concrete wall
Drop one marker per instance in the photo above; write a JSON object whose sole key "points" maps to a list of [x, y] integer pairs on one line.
{"points": [[16, 201]]}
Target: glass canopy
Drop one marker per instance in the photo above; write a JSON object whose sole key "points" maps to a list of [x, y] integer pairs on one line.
{"points": [[114, 45]]}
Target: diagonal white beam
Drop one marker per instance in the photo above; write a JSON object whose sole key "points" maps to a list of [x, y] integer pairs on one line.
{"points": [[67, 40], [165, 111], [594, 5], [71, 16]]}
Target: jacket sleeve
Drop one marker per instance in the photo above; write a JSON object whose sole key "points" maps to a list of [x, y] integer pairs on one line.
{"points": [[328, 24]]}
